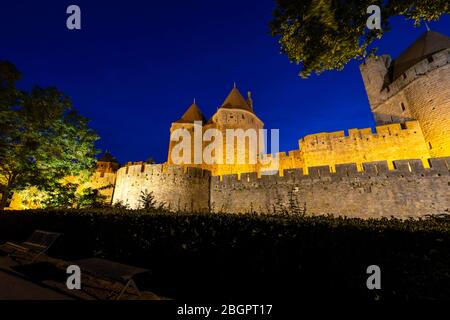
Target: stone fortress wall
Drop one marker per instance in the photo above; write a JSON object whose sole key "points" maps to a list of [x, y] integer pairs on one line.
{"points": [[389, 142], [409, 190], [104, 182], [402, 169], [176, 188], [359, 174]]}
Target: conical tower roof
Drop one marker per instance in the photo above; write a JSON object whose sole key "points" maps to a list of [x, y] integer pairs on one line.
{"points": [[193, 113], [426, 45], [107, 157], [235, 100]]}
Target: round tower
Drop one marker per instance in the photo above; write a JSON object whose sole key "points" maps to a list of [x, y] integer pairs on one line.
{"points": [[417, 87], [236, 117]]}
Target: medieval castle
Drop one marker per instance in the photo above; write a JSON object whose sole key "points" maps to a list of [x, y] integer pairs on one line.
{"points": [[402, 169]]}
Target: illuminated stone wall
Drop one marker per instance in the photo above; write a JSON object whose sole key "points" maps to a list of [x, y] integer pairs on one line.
{"points": [[362, 173], [174, 187], [410, 190], [428, 98], [104, 182], [222, 120], [389, 142], [422, 93]]}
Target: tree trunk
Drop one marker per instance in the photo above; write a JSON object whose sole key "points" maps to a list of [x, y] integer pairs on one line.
{"points": [[7, 191], [4, 200]]}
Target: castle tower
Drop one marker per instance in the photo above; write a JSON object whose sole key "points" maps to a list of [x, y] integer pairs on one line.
{"points": [[186, 122], [374, 72], [104, 177], [414, 86], [237, 113], [234, 113], [107, 163]]}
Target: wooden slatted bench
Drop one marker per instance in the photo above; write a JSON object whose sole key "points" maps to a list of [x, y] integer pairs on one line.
{"points": [[35, 246], [122, 273]]}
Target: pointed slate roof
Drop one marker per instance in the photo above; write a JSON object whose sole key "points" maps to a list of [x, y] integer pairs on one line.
{"points": [[426, 45], [193, 113], [107, 157], [235, 100]]}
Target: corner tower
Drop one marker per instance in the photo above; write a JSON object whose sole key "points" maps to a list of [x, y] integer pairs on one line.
{"points": [[414, 86], [237, 114]]}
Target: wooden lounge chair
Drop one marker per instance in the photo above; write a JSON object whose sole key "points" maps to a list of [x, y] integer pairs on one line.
{"points": [[35, 246], [111, 270], [118, 272]]}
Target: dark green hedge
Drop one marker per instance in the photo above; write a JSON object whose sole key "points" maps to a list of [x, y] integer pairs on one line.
{"points": [[200, 256]]}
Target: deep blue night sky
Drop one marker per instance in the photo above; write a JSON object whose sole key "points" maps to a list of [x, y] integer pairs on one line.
{"points": [[137, 65]]}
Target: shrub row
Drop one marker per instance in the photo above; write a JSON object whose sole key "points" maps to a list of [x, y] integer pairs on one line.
{"points": [[223, 256]]}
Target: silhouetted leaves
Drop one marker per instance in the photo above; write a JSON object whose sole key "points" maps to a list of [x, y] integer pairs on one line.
{"points": [[325, 35]]}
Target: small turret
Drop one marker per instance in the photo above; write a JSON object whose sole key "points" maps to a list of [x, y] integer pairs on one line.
{"points": [[249, 100], [107, 163], [374, 72]]}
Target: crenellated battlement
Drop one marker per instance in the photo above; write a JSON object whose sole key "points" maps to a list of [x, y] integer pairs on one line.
{"points": [[377, 75], [142, 169], [389, 142], [402, 168], [382, 131], [399, 168], [408, 190], [421, 68]]}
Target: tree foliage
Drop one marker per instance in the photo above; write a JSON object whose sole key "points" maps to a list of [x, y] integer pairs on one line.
{"points": [[147, 200], [62, 195], [120, 205], [42, 138], [91, 198], [326, 34]]}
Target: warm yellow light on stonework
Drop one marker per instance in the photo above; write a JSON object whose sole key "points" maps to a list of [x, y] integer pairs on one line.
{"points": [[410, 103]]}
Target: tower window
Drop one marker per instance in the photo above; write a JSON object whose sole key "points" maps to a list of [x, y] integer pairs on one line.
{"points": [[430, 146], [403, 106]]}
